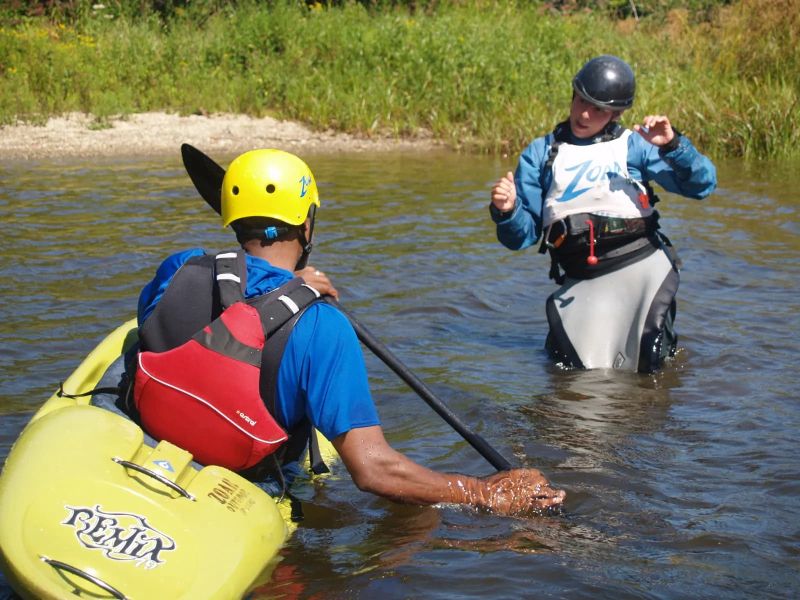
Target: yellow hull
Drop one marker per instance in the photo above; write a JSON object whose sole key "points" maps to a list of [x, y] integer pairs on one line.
{"points": [[87, 509]]}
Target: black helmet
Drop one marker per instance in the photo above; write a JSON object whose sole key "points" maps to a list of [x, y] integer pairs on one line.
{"points": [[606, 81]]}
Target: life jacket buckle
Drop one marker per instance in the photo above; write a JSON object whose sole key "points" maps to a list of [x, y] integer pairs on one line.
{"points": [[559, 240]]}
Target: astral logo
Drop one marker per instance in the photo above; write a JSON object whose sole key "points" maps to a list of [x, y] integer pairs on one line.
{"points": [[120, 536], [245, 417]]}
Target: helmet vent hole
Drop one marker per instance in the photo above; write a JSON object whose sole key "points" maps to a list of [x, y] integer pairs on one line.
{"points": [[270, 189], [235, 190]]}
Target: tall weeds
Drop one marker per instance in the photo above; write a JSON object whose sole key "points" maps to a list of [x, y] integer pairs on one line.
{"points": [[478, 74]]}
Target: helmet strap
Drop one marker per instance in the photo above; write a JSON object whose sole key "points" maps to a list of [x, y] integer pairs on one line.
{"points": [[301, 263], [306, 242], [266, 234]]}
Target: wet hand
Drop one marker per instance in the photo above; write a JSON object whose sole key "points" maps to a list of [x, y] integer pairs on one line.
{"points": [[519, 492], [504, 193], [318, 280], [656, 129]]}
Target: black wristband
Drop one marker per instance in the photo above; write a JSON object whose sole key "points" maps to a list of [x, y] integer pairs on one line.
{"points": [[501, 215], [672, 144]]}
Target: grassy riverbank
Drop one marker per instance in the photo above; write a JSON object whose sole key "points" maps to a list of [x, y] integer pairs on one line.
{"points": [[482, 76]]}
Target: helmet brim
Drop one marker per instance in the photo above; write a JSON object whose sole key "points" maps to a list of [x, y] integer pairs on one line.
{"points": [[614, 105]]}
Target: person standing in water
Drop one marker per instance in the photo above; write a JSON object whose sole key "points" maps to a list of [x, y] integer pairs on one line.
{"points": [[585, 190]]}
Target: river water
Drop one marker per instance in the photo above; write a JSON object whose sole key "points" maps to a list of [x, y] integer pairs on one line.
{"points": [[682, 484]]}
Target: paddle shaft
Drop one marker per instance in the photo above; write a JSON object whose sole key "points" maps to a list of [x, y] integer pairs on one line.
{"points": [[416, 384]]}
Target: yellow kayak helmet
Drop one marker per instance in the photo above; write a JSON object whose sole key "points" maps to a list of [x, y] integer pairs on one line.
{"points": [[268, 183]]}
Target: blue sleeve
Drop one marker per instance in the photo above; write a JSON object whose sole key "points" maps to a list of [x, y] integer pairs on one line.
{"points": [[682, 171], [154, 290], [323, 375], [523, 226]]}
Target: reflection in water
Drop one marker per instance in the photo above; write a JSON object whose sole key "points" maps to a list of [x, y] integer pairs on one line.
{"points": [[596, 411], [681, 484]]}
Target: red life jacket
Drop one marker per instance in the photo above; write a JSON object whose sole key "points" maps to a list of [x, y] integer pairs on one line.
{"points": [[204, 395]]}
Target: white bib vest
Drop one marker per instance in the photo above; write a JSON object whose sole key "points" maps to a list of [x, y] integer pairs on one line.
{"points": [[595, 179]]}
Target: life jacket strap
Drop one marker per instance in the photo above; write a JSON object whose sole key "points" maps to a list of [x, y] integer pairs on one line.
{"points": [[228, 269], [280, 306], [318, 466]]}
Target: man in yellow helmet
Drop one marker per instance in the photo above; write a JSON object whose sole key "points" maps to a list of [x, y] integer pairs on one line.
{"points": [[312, 371]]}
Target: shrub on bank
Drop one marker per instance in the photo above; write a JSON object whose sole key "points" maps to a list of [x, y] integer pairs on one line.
{"points": [[480, 75]]}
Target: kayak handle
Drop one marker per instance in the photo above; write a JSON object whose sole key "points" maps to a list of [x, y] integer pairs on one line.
{"points": [[62, 566], [157, 476]]}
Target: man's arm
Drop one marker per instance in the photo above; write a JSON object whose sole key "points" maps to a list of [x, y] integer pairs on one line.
{"points": [[379, 469], [324, 355]]}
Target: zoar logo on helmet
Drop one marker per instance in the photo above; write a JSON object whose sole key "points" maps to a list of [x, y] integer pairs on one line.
{"points": [[305, 181]]}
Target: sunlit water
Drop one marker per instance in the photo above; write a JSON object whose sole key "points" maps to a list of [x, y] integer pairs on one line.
{"points": [[683, 484]]}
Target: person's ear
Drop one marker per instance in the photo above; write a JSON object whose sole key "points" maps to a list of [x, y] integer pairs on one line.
{"points": [[307, 229]]}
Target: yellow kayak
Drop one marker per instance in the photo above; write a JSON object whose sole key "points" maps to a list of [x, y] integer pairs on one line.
{"points": [[89, 509]]}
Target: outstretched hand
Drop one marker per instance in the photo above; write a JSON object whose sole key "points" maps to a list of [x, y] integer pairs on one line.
{"points": [[504, 193], [318, 280], [656, 129], [519, 492]]}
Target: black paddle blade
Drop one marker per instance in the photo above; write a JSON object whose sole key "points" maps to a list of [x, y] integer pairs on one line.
{"points": [[206, 175]]}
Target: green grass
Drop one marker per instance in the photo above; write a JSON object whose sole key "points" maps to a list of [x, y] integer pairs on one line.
{"points": [[482, 76]]}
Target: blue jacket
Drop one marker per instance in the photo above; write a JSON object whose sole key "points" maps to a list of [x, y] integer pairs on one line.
{"points": [[682, 171]]}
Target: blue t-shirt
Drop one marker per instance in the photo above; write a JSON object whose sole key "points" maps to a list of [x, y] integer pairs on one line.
{"points": [[322, 373]]}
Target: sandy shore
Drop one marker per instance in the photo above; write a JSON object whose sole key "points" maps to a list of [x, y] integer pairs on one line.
{"points": [[161, 134]]}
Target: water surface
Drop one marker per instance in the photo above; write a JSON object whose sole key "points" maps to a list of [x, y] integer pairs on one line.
{"points": [[682, 484]]}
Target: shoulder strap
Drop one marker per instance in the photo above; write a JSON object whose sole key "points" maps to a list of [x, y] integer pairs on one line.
{"points": [[230, 276], [283, 303], [560, 135], [296, 300], [280, 311]]}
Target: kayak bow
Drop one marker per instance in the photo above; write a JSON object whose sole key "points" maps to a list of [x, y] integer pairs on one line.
{"points": [[89, 506]]}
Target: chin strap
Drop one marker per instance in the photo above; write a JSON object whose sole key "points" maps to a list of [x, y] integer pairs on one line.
{"points": [[306, 242]]}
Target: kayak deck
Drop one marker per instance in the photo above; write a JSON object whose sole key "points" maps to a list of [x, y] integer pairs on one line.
{"points": [[90, 507]]}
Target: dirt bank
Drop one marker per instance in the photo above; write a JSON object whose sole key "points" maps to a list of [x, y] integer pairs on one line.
{"points": [[161, 134]]}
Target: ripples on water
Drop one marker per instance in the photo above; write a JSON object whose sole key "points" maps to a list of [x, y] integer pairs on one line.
{"points": [[682, 484]]}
